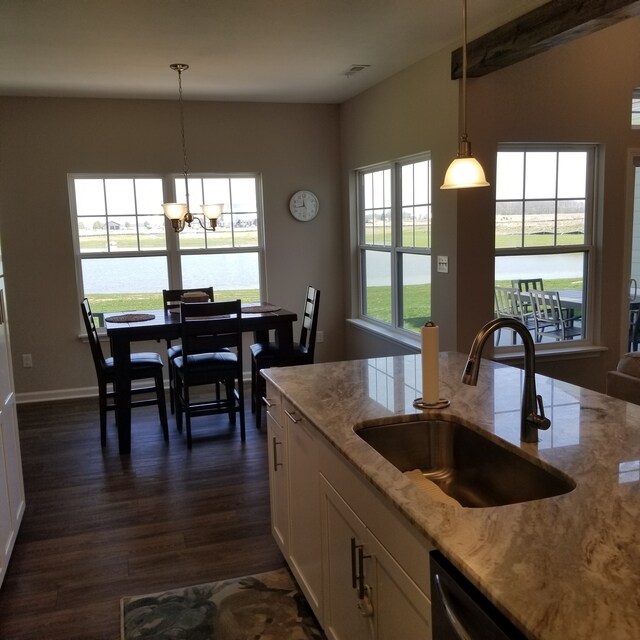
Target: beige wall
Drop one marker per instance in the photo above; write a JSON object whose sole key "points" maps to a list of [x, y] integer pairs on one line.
{"points": [[412, 112], [42, 140], [579, 92]]}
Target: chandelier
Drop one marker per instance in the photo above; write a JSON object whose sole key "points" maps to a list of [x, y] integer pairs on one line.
{"points": [[180, 213], [465, 171]]}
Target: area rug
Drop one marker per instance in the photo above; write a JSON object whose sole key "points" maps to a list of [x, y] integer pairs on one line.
{"points": [[265, 606]]}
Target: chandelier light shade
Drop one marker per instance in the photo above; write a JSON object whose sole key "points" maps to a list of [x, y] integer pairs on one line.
{"points": [[180, 213], [465, 171]]}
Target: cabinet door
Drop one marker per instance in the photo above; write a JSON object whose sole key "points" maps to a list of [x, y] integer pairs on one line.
{"points": [[6, 526], [305, 540], [278, 483], [345, 617], [12, 460], [6, 371], [402, 610], [368, 595]]}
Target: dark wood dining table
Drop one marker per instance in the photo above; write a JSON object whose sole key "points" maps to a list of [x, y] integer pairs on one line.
{"points": [[166, 325]]}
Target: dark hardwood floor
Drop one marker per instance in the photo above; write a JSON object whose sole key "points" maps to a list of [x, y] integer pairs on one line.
{"points": [[98, 526]]}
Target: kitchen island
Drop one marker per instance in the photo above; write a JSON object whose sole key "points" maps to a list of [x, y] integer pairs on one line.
{"points": [[559, 568]]}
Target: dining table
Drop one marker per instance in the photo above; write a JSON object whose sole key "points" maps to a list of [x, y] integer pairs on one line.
{"points": [[123, 328]]}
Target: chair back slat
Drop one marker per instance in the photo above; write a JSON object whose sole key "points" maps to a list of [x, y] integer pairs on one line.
{"points": [[92, 336], [210, 326], [535, 284], [309, 327], [172, 298]]}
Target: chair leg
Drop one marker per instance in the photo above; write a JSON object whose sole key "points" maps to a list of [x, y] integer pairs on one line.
{"points": [[241, 409], [178, 400], [185, 401], [102, 401], [231, 399], [172, 386], [261, 390], [253, 385], [162, 405]]}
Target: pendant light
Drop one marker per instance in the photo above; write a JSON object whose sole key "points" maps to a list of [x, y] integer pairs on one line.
{"points": [[180, 213], [465, 171]]}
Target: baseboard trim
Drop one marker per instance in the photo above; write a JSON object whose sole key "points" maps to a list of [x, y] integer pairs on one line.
{"points": [[74, 394]]}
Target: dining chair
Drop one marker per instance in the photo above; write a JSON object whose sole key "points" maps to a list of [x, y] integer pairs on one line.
{"points": [[634, 326], [267, 354], [550, 319], [211, 336], [171, 299], [144, 366], [509, 304]]}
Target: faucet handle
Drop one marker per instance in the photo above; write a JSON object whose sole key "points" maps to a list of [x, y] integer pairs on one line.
{"points": [[539, 419]]}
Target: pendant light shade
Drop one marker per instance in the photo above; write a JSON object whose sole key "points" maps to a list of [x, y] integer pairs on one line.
{"points": [[465, 171]]}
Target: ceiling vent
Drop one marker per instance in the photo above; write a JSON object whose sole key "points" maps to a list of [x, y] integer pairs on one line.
{"points": [[356, 68]]}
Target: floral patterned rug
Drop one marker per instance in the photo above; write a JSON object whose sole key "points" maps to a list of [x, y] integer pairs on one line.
{"points": [[266, 606]]}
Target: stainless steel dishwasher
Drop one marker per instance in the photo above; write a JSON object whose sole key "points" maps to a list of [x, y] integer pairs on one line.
{"points": [[459, 611]]}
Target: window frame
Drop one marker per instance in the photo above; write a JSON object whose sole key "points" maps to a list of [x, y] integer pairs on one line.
{"points": [[394, 249], [588, 248], [173, 254]]}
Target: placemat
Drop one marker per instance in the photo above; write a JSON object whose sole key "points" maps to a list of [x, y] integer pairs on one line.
{"points": [[260, 308], [131, 317]]}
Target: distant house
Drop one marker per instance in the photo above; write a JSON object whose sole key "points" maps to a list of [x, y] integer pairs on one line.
{"points": [[114, 226]]}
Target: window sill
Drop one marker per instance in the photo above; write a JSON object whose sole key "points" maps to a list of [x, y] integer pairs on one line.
{"points": [[558, 353], [547, 355], [386, 333]]}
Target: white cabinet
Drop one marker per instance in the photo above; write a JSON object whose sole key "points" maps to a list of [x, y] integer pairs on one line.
{"points": [[11, 483], [294, 494], [363, 569], [305, 542], [368, 595], [278, 480]]}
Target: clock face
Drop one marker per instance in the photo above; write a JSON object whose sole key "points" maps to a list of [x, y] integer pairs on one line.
{"points": [[304, 205]]}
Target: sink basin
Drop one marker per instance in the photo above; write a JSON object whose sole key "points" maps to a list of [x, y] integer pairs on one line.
{"points": [[464, 464]]}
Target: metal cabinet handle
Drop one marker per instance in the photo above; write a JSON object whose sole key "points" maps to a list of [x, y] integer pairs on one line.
{"points": [[357, 568], [267, 402], [292, 417], [274, 445], [354, 576], [457, 625]]}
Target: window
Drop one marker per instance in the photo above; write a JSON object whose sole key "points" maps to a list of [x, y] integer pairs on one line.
{"points": [[126, 253], [394, 225], [635, 109], [544, 220]]}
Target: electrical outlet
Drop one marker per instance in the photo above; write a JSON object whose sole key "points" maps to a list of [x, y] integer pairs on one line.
{"points": [[319, 336], [443, 264], [27, 361]]}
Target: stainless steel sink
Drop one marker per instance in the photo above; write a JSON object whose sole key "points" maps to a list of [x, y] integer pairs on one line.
{"points": [[466, 465]]}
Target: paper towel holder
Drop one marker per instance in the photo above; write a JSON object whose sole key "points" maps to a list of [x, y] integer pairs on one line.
{"points": [[443, 403]]}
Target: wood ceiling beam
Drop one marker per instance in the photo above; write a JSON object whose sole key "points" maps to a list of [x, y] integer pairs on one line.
{"points": [[552, 24]]}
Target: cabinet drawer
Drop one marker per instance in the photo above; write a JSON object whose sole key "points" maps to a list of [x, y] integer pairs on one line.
{"points": [[273, 402]]}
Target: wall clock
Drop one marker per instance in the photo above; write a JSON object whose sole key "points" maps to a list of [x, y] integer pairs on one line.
{"points": [[304, 205]]}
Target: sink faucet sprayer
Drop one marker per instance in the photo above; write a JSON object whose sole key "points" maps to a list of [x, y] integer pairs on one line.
{"points": [[530, 420]]}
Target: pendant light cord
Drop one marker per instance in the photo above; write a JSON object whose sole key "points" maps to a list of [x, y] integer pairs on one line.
{"points": [[185, 161], [464, 69]]}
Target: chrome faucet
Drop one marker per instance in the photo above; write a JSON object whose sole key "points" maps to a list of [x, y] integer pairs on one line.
{"points": [[532, 415]]}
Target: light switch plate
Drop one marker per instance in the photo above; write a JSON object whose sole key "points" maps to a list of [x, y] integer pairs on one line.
{"points": [[443, 264]]}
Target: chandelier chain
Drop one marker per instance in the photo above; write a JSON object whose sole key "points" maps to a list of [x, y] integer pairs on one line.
{"points": [[185, 160]]}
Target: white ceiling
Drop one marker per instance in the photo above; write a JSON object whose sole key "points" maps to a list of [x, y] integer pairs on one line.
{"points": [[247, 50]]}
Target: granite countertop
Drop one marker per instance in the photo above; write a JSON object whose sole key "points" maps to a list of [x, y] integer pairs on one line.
{"points": [[562, 567]]}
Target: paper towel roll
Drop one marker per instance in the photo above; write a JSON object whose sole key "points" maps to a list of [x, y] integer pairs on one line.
{"points": [[430, 363]]}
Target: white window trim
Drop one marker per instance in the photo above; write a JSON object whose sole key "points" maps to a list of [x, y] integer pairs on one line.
{"points": [[588, 344], [389, 331], [172, 252]]}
